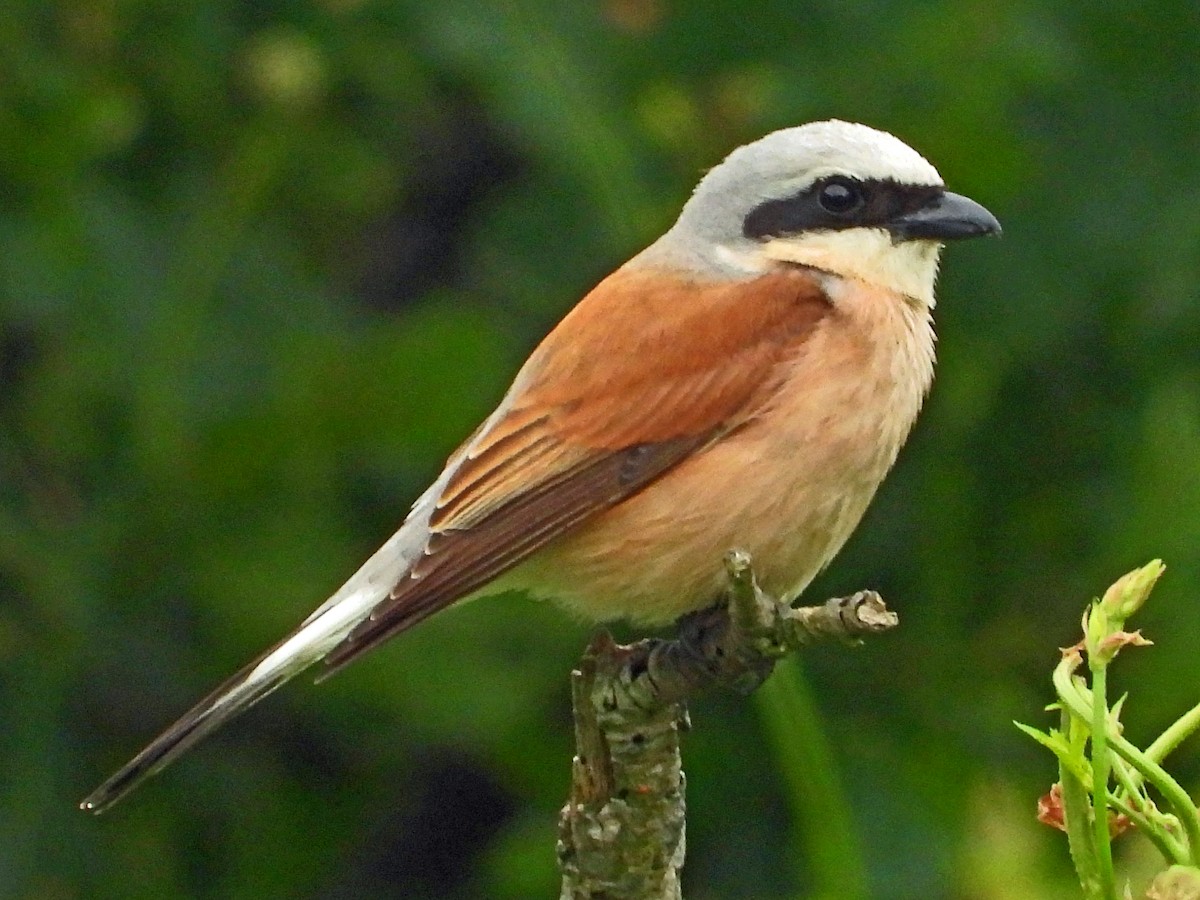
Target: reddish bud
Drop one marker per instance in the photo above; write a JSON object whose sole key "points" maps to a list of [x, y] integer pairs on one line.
{"points": [[1050, 808]]}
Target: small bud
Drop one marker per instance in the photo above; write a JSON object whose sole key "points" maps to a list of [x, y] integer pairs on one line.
{"points": [[1129, 592], [1050, 808], [1118, 824], [1111, 645], [1177, 883], [1050, 812]]}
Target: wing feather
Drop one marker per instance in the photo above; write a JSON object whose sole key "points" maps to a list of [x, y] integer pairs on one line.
{"points": [[646, 371]]}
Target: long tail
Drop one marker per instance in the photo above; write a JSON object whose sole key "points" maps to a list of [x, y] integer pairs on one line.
{"points": [[316, 636]]}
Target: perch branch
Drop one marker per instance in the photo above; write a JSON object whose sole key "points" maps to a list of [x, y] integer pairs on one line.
{"points": [[621, 834]]}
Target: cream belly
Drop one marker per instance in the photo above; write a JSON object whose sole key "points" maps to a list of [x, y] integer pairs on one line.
{"points": [[789, 485]]}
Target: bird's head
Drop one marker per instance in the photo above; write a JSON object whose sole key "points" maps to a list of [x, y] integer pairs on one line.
{"points": [[837, 196]]}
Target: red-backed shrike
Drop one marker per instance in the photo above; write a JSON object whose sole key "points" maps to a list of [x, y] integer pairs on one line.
{"points": [[746, 381]]}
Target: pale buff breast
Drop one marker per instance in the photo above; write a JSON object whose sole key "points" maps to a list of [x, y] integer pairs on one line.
{"points": [[789, 486]]}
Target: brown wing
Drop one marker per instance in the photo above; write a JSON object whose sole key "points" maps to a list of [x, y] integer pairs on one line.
{"points": [[645, 371]]}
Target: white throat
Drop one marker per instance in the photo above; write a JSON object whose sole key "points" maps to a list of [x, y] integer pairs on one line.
{"points": [[867, 254]]}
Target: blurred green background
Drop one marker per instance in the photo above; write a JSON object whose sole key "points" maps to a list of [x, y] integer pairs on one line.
{"points": [[263, 265]]}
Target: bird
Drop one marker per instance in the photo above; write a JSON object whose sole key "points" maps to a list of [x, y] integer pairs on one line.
{"points": [[746, 381]]}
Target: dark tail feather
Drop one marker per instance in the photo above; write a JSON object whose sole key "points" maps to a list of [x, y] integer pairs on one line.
{"points": [[327, 627], [234, 696]]}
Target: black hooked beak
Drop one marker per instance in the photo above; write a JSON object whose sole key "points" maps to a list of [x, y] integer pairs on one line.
{"points": [[948, 217]]}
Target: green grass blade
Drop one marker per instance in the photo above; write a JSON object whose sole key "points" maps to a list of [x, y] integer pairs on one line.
{"points": [[824, 823]]}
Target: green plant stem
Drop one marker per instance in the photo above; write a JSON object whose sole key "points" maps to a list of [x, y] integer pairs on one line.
{"points": [[829, 839], [1171, 851], [1075, 815], [1101, 766], [1151, 824], [1179, 731], [1075, 699]]}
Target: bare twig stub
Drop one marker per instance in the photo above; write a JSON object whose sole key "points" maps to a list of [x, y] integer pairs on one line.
{"points": [[621, 834]]}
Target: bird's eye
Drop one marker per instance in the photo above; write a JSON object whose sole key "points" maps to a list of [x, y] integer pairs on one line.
{"points": [[840, 197]]}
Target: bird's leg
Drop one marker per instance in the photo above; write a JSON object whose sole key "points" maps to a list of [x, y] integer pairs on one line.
{"points": [[735, 644]]}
